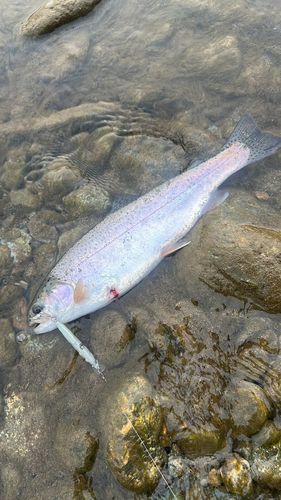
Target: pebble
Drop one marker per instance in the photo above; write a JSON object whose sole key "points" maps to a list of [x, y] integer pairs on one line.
{"points": [[13, 167], [262, 195], [10, 295]]}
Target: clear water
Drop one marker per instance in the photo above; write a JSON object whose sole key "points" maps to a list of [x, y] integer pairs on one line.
{"points": [[144, 88]]}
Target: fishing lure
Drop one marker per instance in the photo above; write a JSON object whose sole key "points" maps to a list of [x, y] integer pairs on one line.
{"points": [[81, 348]]}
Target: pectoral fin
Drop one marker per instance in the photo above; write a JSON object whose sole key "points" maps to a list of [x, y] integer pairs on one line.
{"points": [[81, 292], [173, 248]]}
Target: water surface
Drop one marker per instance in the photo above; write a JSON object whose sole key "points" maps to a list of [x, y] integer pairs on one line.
{"points": [[138, 90]]}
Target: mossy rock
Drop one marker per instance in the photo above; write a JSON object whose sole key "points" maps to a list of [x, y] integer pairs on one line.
{"points": [[200, 442], [137, 430]]}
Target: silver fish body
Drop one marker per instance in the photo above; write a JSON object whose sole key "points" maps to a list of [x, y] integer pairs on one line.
{"points": [[121, 250]]}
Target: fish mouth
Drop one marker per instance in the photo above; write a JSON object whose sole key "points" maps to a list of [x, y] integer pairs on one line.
{"points": [[34, 325], [36, 322], [42, 325]]}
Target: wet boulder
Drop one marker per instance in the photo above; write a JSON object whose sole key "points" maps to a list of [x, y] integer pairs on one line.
{"points": [[200, 441], [236, 250], [136, 426], [263, 455], [55, 13], [235, 475], [248, 407]]}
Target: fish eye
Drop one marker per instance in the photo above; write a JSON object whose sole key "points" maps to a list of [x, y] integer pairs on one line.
{"points": [[37, 308]]}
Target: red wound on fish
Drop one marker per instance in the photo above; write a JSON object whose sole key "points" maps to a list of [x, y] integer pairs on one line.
{"points": [[113, 293]]}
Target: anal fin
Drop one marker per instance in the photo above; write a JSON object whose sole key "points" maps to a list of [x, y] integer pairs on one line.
{"points": [[176, 246]]}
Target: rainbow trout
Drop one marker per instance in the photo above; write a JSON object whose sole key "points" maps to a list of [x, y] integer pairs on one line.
{"points": [[122, 249]]}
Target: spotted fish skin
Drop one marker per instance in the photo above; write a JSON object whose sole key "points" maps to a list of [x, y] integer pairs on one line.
{"points": [[122, 249]]}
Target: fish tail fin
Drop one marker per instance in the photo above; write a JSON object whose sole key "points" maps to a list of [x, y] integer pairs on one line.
{"points": [[261, 144]]}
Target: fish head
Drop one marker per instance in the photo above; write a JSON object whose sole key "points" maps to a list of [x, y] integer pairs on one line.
{"points": [[54, 302]]}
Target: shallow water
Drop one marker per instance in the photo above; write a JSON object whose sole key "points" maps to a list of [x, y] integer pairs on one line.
{"points": [[137, 91]]}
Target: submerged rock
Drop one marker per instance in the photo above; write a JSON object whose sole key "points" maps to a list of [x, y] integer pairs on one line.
{"points": [[236, 475], [74, 445], [63, 58], [263, 454], [13, 174], [272, 383], [248, 407], [111, 329], [86, 198], [19, 243], [57, 181], [44, 257], [266, 469], [55, 13], [200, 441], [41, 227], [8, 346], [126, 455], [6, 262], [237, 257], [11, 479], [25, 197]]}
